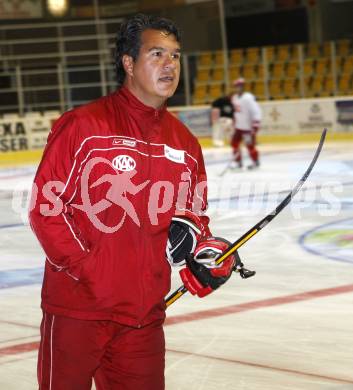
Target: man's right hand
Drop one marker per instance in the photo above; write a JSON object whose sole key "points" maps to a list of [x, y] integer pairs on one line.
{"points": [[202, 275]]}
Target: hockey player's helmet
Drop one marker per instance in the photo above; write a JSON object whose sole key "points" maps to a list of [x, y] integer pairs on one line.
{"points": [[239, 81]]}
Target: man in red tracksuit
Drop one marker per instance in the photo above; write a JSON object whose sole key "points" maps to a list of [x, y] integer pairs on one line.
{"points": [[113, 176]]}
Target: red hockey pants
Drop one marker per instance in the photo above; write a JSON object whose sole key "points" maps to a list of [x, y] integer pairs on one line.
{"points": [[72, 352], [249, 138]]}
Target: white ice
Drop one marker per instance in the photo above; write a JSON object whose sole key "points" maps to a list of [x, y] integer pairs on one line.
{"points": [[302, 344]]}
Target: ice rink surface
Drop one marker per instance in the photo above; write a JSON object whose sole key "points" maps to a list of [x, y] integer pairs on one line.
{"points": [[288, 328]]}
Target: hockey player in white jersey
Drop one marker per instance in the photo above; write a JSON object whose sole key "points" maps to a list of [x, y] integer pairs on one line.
{"points": [[247, 118]]}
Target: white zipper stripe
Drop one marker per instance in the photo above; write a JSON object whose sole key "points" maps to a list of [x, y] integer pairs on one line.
{"points": [[51, 353], [73, 233], [67, 181], [42, 344]]}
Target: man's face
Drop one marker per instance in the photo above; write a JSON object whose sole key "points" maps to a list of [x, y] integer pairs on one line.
{"points": [[154, 76], [239, 88]]}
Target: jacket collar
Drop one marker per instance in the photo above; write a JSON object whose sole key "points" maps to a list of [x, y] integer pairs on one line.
{"points": [[139, 108]]}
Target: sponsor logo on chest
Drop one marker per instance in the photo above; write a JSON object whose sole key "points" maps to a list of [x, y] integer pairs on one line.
{"points": [[124, 142], [124, 163], [174, 155]]}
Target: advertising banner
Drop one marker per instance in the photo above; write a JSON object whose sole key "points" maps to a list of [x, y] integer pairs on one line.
{"points": [[198, 120], [304, 116], [278, 118], [344, 109], [315, 115], [25, 133], [38, 127], [14, 136], [20, 9], [282, 117]]}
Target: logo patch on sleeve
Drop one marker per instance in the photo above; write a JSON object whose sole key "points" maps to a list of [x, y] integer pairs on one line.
{"points": [[175, 155]]}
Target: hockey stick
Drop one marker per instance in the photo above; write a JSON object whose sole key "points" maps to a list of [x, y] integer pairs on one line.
{"points": [[256, 228], [225, 169]]}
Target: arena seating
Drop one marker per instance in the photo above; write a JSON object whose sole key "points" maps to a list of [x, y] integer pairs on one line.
{"points": [[293, 71]]}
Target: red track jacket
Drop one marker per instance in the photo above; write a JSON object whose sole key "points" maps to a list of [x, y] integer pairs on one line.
{"points": [[112, 175]]}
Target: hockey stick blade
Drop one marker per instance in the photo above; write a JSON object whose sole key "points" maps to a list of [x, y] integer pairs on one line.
{"points": [[260, 225]]}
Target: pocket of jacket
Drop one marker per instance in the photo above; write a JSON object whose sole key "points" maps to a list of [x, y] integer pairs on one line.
{"points": [[76, 272]]}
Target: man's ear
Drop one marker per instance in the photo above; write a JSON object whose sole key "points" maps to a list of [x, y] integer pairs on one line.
{"points": [[128, 64]]}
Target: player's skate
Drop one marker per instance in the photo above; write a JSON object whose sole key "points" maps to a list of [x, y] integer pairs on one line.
{"points": [[235, 165], [254, 165]]}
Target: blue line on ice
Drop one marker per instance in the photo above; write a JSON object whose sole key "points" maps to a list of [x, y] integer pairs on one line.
{"points": [[20, 277]]}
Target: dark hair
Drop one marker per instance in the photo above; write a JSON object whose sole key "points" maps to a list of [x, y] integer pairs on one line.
{"points": [[128, 40]]}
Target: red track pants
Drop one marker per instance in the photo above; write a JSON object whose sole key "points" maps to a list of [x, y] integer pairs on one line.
{"points": [[249, 138], [72, 352]]}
